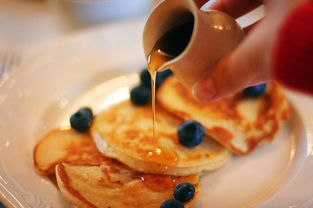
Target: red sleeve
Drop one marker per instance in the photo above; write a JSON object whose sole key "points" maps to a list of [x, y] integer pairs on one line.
{"points": [[293, 51]]}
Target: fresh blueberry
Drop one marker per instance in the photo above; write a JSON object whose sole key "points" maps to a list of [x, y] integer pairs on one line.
{"points": [[255, 91], [190, 133], [172, 203], [184, 192], [162, 76], [145, 78], [81, 120], [140, 95], [165, 74]]}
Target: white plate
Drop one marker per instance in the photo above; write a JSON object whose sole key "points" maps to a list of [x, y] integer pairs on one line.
{"points": [[95, 68]]}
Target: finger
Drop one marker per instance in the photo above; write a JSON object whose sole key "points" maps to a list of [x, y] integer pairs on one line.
{"points": [[200, 3], [235, 8], [247, 65]]}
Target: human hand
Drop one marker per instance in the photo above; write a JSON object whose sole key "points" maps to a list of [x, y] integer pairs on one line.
{"points": [[250, 63]]}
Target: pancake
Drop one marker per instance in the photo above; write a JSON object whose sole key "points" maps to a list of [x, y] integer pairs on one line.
{"points": [[239, 123], [65, 146], [125, 132], [88, 179], [114, 185]]}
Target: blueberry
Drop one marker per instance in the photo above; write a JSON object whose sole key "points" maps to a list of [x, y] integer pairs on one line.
{"points": [[81, 120], [165, 74], [255, 91], [172, 203], [161, 76], [184, 192], [145, 78], [190, 133], [140, 95]]}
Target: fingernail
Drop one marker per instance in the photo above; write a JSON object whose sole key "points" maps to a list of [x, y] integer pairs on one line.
{"points": [[204, 90]]}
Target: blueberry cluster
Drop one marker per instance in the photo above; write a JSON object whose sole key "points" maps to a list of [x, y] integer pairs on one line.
{"points": [[141, 94], [81, 119], [182, 193]]}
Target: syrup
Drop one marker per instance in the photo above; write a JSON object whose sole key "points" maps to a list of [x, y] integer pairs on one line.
{"points": [[169, 46], [163, 183], [162, 156], [155, 59], [159, 183]]}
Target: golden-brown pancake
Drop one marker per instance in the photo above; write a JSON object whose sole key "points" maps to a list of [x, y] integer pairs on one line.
{"points": [[88, 179], [115, 185], [125, 132], [237, 122], [65, 146]]}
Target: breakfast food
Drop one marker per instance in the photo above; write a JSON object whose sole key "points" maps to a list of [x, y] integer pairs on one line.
{"points": [[68, 146], [145, 78], [190, 133], [240, 122], [254, 91], [115, 185], [113, 160], [140, 96], [124, 132], [82, 119], [88, 179], [184, 192]]}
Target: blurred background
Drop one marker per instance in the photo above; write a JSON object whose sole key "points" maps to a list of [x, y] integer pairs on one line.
{"points": [[28, 26]]}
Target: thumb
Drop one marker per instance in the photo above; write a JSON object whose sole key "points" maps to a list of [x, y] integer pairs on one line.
{"points": [[247, 65]]}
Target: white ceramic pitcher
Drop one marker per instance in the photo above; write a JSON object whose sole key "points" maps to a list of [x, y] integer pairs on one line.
{"points": [[214, 35]]}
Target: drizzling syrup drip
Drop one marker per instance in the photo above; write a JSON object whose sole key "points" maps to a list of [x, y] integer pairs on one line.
{"points": [[169, 46], [155, 59]]}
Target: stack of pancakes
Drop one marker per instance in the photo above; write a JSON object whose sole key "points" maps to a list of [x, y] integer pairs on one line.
{"points": [[119, 163]]}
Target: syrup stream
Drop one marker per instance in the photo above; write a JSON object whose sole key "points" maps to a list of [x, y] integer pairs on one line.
{"points": [[170, 45], [155, 60]]}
